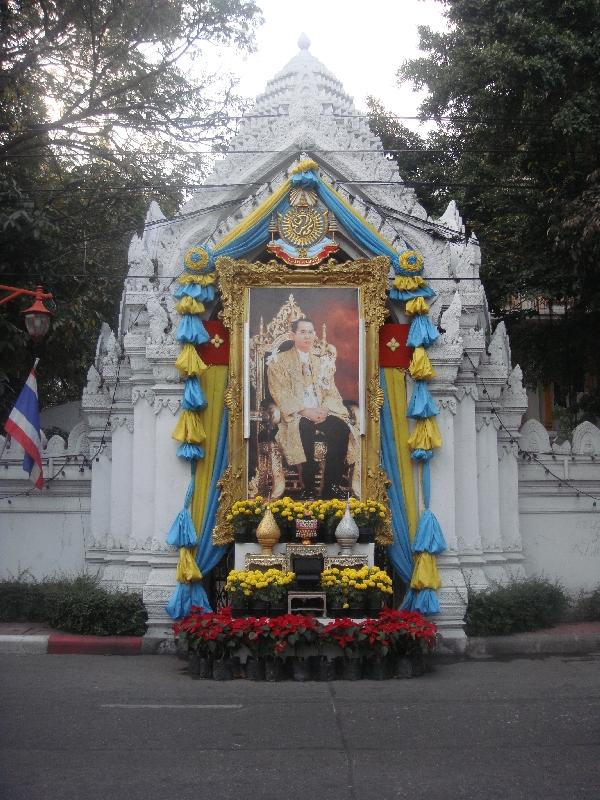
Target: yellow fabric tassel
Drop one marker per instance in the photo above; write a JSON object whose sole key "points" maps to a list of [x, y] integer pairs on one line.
{"points": [[187, 569], [305, 166], [189, 362], [426, 435], [214, 383], [263, 210], [189, 428], [189, 306], [425, 573], [203, 280], [406, 284], [420, 366], [417, 306], [396, 390]]}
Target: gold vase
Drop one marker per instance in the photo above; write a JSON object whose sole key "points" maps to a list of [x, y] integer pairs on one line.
{"points": [[268, 533]]}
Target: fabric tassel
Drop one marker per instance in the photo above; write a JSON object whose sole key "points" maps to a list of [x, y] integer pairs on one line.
{"points": [[420, 366], [193, 396], [424, 601], [189, 428], [196, 292], [189, 362], [180, 602], [187, 305], [191, 330], [198, 596], [422, 404], [187, 569], [416, 306], [406, 284], [199, 280], [182, 533], [423, 332], [421, 455], [425, 573], [190, 452], [429, 537], [426, 435], [403, 296]]}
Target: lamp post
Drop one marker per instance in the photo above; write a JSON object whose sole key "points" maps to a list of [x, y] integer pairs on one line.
{"points": [[37, 316]]}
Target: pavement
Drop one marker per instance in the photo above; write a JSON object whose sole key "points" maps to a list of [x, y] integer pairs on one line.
{"points": [[25, 638]]}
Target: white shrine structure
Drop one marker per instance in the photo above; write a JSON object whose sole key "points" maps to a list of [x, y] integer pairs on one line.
{"points": [[503, 514]]}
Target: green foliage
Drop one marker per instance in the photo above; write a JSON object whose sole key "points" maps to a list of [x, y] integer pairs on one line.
{"points": [[587, 607], [103, 108], [75, 605], [514, 89], [523, 605]]}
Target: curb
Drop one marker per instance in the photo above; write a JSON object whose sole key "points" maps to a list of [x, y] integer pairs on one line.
{"points": [[71, 644], [531, 644], [24, 645]]}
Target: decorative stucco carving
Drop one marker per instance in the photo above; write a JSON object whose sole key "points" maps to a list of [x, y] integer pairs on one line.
{"points": [[534, 437], [514, 394], [171, 402], [159, 322], [121, 421], [142, 392], [586, 440]]}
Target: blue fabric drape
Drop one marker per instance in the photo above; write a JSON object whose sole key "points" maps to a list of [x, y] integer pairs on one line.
{"points": [[190, 452], [193, 396], [182, 532], [422, 404], [191, 330], [425, 601], [429, 537], [422, 333], [399, 551], [208, 556], [200, 293]]}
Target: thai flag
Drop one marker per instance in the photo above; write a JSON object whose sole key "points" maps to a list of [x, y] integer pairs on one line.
{"points": [[23, 424]]}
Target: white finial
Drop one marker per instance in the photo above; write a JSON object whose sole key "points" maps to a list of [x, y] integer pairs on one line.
{"points": [[303, 42]]}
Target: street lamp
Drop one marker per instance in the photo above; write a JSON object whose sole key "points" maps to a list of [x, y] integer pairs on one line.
{"points": [[37, 316]]}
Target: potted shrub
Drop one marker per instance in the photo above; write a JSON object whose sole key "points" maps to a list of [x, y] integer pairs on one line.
{"points": [[291, 635], [331, 584], [347, 637], [244, 518], [239, 592], [277, 589], [379, 586]]}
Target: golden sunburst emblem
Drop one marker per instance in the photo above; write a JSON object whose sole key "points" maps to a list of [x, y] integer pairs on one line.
{"points": [[302, 226]]}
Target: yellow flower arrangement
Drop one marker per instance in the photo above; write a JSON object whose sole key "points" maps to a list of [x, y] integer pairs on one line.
{"points": [[269, 585], [350, 585], [244, 512]]}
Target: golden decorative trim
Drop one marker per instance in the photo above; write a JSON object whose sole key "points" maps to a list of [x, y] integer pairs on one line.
{"points": [[379, 483], [297, 549], [264, 562], [230, 485], [343, 562], [233, 397], [236, 278]]}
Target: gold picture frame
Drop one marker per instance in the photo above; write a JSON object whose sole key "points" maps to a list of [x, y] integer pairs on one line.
{"points": [[235, 279]]}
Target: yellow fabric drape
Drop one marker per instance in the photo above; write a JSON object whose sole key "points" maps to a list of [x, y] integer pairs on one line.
{"points": [[426, 435], [420, 366], [259, 213], [406, 284], [187, 569], [189, 362], [417, 306], [425, 573], [396, 390], [214, 383], [202, 280], [189, 428], [350, 208], [188, 305]]}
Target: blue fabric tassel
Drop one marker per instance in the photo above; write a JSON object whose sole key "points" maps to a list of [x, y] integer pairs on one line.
{"points": [[422, 404], [193, 396], [198, 596], [425, 601], [429, 537], [180, 602], [421, 455], [422, 291], [191, 452], [191, 330], [423, 332], [182, 533], [200, 293]]}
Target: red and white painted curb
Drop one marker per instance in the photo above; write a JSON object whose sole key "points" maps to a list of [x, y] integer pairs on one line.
{"points": [[65, 643]]}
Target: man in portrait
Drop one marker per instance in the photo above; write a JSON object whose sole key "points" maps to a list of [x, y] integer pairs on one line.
{"points": [[301, 383]]}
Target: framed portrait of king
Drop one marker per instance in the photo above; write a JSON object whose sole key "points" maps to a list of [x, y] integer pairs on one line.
{"points": [[303, 393]]}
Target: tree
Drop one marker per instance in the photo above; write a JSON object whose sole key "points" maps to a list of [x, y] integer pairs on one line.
{"points": [[513, 87], [103, 107]]}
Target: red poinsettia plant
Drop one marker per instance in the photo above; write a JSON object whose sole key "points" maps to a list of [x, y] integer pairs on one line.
{"points": [[287, 633], [406, 630], [346, 635]]}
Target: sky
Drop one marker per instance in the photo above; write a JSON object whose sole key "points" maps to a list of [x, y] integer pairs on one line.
{"points": [[361, 43]]}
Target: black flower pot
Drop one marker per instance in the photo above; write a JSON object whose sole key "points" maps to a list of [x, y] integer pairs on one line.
{"points": [[377, 668], [239, 606], [273, 669], [373, 606], [325, 669], [301, 669], [200, 667], [366, 534], [355, 610], [258, 607], [336, 611], [352, 669], [277, 609], [222, 669], [255, 669]]}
